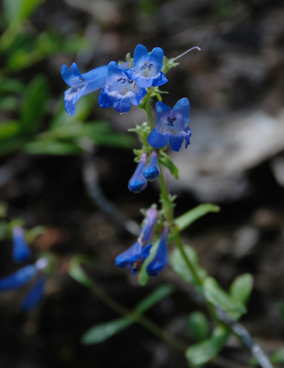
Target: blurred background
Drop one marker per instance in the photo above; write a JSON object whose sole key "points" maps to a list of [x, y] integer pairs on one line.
{"points": [[236, 160]]}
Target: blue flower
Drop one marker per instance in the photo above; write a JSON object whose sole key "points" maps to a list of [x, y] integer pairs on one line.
{"points": [[81, 84], [35, 294], [120, 91], [21, 251], [152, 170], [160, 260], [134, 256], [171, 125], [18, 278], [137, 182], [147, 66]]}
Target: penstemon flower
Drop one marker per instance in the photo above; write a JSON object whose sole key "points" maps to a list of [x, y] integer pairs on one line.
{"points": [[152, 171], [160, 259], [147, 67], [171, 125], [81, 84], [134, 256], [34, 273], [137, 182], [120, 91]]}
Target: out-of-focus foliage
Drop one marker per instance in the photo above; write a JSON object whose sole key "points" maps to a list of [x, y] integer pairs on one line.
{"points": [[31, 120]]}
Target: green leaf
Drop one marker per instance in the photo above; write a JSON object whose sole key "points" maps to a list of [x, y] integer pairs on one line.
{"points": [[241, 288], [10, 144], [169, 164], [104, 331], [198, 326], [194, 214], [9, 129], [34, 105], [17, 11], [203, 352], [77, 273], [158, 294], [181, 268], [278, 356], [8, 103], [9, 85], [49, 147], [217, 296]]}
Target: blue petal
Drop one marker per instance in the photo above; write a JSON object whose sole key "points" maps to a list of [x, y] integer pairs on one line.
{"points": [[149, 224], [137, 182], [105, 100], [19, 278], [160, 260], [157, 56], [156, 139], [21, 251], [139, 96], [160, 80], [122, 105], [97, 75], [175, 142], [144, 82], [161, 109], [139, 52], [131, 255], [152, 170], [183, 106], [71, 75], [34, 295], [187, 135]]}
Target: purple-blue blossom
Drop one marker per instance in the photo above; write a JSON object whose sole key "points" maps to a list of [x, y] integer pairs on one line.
{"points": [[152, 170], [119, 90], [137, 182], [35, 294], [171, 125], [135, 255], [20, 249], [160, 259], [81, 84], [147, 67]]}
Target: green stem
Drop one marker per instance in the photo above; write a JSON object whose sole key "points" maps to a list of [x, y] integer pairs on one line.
{"points": [[140, 319]]}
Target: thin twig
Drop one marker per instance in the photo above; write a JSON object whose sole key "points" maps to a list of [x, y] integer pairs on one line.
{"points": [[90, 179], [245, 337]]}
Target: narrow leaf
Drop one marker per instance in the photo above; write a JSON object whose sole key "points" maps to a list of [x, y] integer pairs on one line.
{"points": [[104, 331], [198, 326], [241, 288], [169, 164], [203, 352], [180, 267], [34, 105], [194, 214], [157, 295], [77, 273], [217, 296]]}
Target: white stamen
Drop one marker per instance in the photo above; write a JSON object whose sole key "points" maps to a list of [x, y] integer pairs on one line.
{"points": [[186, 52]]}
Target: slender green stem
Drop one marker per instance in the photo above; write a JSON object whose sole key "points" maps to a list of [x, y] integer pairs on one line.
{"points": [[138, 318]]}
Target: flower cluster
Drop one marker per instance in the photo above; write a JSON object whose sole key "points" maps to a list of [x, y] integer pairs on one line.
{"points": [[134, 256], [32, 272], [122, 85]]}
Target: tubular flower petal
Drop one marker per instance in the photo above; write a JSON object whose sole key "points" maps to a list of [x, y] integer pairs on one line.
{"points": [[147, 66], [137, 182], [133, 256], [171, 126], [161, 257], [34, 295], [120, 91], [152, 170], [149, 224], [21, 251], [19, 278], [81, 84]]}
